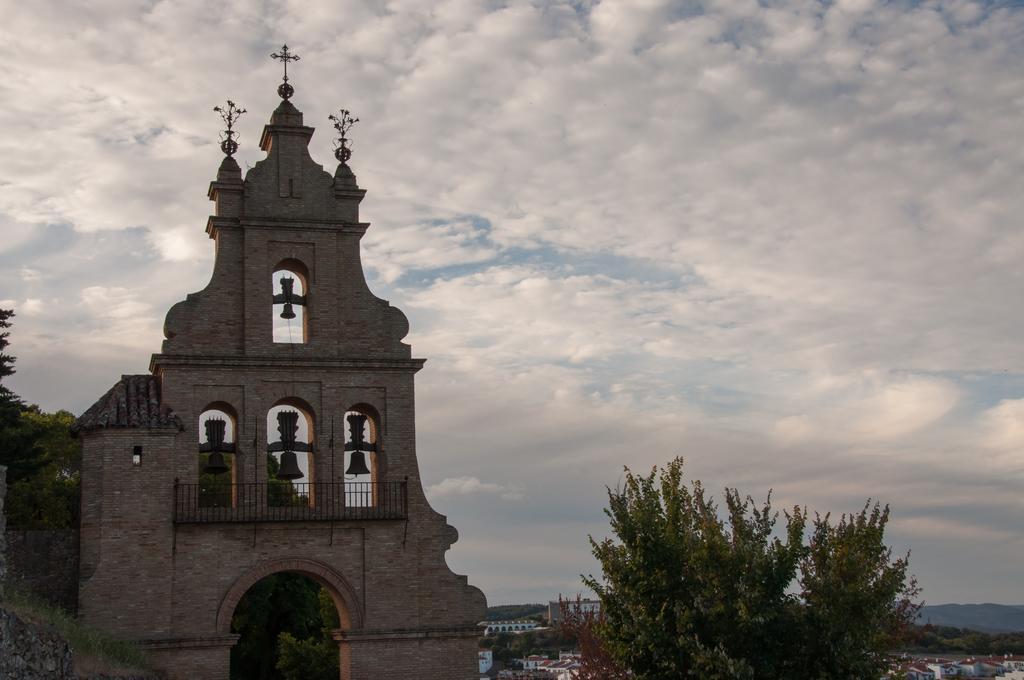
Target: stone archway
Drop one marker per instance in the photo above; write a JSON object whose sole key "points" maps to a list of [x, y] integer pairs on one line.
{"points": [[350, 611]]}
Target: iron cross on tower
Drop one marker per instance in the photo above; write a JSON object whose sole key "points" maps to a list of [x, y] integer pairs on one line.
{"points": [[284, 56]]}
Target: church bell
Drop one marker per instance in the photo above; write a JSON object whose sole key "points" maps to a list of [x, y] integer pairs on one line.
{"points": [[215, 464], [287, 297], [289, 467], [357, 464], [287, 427]]}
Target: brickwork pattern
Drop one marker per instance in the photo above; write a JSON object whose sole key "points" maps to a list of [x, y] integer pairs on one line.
{"points": [[404, 613]]}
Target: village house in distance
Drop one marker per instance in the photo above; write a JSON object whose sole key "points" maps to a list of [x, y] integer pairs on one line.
{"points": [[274, 433]]}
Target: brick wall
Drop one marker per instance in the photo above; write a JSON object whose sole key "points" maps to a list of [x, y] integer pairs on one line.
{"points": [[44, 563]]}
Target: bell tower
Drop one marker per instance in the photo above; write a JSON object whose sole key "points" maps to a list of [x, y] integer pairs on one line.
{"points": [[275, 432]]}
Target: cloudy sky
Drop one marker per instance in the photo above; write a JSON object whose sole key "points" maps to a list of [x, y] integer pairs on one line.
{"points": [[782, 239]]}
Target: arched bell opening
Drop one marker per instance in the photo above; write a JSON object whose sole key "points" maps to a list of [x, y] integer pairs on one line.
{"points": [[290, 286], [363, 456], [290, 450], [278, 574], [217, 448]]}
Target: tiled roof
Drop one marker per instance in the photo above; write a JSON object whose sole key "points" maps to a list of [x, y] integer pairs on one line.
{"points": [[134, 401]]}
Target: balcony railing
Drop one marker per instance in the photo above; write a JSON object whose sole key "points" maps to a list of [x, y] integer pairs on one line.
{"points": [[289, 502]]}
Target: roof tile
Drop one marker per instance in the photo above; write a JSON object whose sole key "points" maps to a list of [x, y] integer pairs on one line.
{"points": [[134, 401]]}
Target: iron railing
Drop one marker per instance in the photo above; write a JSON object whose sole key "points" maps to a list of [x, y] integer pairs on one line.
{"points": [[279, 501]]}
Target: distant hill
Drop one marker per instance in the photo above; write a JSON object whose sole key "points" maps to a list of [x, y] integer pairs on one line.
{"points": [[988, 618], [509, 612]]}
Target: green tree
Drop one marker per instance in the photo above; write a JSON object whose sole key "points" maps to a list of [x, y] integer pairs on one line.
{"points": [[284, 622], [310, 659], [49, 498], [19, 450], [6, 360], [858, 600], [280, 603], [316, 657], [689, 591], [42, 459]]}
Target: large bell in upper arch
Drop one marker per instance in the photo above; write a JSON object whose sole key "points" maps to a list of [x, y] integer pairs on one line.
{"points": [[288, 298]]}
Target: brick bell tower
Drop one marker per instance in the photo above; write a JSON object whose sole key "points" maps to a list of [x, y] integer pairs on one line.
{"points": [[275, 433]]}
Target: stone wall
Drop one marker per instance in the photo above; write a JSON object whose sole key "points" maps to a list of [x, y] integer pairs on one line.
{"points": [[32, 652], [44, 563]]}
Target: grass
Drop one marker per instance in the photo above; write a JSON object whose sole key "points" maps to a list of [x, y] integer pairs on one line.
{"points": [[94, 651]]}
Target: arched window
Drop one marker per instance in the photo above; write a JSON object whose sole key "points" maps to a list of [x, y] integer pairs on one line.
{"points": [[289, 454], [290, 285], [217, 437], [361, 461]]}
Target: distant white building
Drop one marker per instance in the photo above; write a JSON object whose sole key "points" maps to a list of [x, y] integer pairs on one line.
{"points": [[1013, 667], [1007, 667], [486, 657], [519, 626], [566, 667], [943, 668], [582, 606]]}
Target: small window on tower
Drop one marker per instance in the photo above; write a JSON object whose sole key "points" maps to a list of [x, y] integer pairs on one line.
{"points": [[137, 456], [291, 293]]}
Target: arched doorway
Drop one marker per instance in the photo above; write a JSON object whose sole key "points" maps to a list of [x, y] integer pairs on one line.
{"points": [[286, 613]]}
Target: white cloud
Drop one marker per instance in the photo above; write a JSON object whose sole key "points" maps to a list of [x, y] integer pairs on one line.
{"points": [[1003, 426], [868, 408], [465, 486], [30, 306]]}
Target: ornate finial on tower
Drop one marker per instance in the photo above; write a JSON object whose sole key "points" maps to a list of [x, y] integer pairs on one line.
{"points": [[230, 115], [284, 56], [343, 124]]}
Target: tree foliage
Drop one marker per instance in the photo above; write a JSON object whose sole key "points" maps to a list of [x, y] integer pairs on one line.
{"points": [[6, 360], [692, 591], [41, 457], [50, 497], [309, 659], [19, 451], [858, 601], [282, 620], [961, 641]]}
